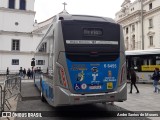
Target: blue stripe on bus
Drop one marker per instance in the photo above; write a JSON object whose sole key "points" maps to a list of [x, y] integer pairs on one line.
{"points": [[47, 90], [93, 76]]}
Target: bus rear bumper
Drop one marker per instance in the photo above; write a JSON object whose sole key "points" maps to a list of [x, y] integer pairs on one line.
{"points": [[65, 97]]}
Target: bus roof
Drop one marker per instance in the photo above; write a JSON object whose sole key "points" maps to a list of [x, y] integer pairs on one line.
{"points": [[142, 52], [85, 17]]}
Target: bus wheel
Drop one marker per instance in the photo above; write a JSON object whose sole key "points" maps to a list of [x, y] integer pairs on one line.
{"points": [[42, 97]]}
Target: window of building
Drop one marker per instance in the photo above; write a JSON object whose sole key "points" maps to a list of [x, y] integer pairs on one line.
{"points": [[132, 9], [150, 23], [15, 45], [40, 62], [133, 28], [15, 61], [150, 6], [126, 43], [16, 23], [151, 40], [43, 47], [127, 30], [22, 4], [133, 41], [11, 4]]}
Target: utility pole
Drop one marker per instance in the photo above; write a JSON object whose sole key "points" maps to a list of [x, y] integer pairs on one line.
{"points": [[142, 31]]}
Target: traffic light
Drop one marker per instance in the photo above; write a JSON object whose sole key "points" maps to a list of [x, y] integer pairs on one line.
{"points": [[33, 62]]}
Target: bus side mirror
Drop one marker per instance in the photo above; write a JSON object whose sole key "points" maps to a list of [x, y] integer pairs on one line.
{"points": [[32, 63]]}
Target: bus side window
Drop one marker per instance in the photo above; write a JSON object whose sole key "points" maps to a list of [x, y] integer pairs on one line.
{"points": [[135, 63], [157, 62], [145, 62]]}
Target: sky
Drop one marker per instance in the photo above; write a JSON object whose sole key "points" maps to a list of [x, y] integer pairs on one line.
{"points": [[48, 8]]}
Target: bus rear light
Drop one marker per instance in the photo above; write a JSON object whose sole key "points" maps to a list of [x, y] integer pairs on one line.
{"points": [[122, 75], [63, 77]]}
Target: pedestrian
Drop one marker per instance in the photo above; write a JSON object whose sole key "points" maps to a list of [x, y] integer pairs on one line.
{"points": [[39, 70], [24, 73], [155, 78], [133, 80], [7, 72], [21, 72], [29, 73]]}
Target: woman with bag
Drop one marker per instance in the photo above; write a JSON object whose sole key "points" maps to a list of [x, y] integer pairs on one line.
{"points": [[155, 77]]}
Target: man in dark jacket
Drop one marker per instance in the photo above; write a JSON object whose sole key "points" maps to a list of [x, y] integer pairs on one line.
{"points": [[133, 80], [156, 79]]}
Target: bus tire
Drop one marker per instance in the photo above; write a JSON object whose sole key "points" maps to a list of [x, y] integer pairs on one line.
{"points": [[35, 84], [42, 97]]}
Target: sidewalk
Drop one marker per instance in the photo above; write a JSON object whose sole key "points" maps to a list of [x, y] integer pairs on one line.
{"points": [[146, 100], [12, 101]]}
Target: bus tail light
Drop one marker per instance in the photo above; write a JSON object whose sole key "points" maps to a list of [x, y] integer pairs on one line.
{"points": [[62, 75], [123, 74]]}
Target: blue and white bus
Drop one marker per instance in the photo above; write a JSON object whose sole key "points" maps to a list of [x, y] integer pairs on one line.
{"points": [[82, 59]]}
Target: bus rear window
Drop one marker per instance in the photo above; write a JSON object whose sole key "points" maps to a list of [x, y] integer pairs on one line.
{"points": [[88, 36]]}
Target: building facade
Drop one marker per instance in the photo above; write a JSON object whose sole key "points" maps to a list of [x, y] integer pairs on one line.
{"points": [[17, 39], [140, 22], [20, 34]]}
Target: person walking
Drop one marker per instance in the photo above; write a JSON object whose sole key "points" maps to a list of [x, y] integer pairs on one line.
{"points": [[7, 72], [133, 80], [155, 77], [21, 72], [24, 73], [29, 73]]}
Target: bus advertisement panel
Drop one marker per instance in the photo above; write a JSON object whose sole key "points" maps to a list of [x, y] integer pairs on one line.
{"points": [[149, 67], [87, 77]]}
